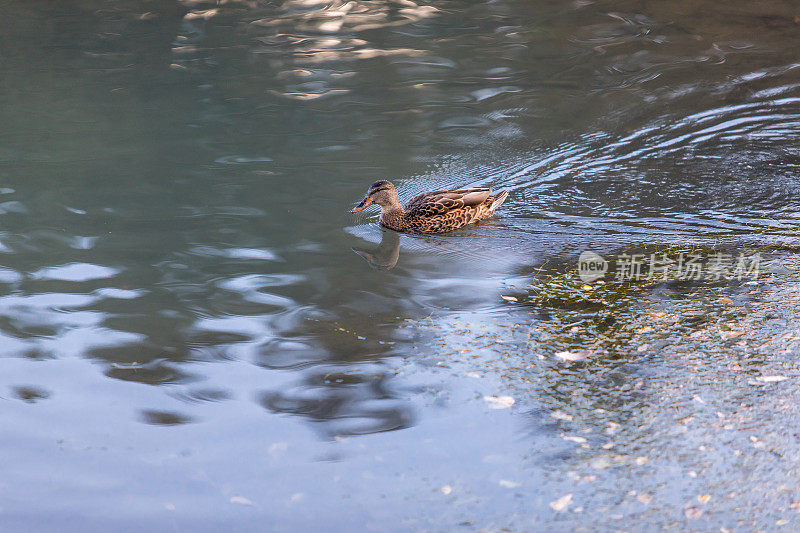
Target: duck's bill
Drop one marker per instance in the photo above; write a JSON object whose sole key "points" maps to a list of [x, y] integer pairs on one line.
{"points": [[366, 202]]}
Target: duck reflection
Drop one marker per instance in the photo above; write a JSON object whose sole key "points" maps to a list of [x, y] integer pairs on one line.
{"points": [[385, 256]]}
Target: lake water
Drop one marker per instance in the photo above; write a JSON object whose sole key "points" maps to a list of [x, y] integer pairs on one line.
{"points": [[196, 332]]}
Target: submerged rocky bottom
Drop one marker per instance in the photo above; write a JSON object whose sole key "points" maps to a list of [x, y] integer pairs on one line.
{"points": [[679, 413]]}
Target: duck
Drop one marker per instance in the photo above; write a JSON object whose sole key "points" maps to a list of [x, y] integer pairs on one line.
{"points": [[431, 212]]}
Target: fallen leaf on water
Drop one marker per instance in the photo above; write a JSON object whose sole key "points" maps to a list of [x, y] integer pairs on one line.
{"points": [[558, 415], [725, 300], [579, 440], [781, 522], [600, 463], [641, 460], [509, 298], [499, 402], [241, 500], [693, 513], [645, 498], [447, 489], [573, 356], [646, 329], [732, 334], [704, 498], [561, 503]]}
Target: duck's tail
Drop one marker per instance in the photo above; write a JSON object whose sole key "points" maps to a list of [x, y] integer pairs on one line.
{"points": [[498, 200]]}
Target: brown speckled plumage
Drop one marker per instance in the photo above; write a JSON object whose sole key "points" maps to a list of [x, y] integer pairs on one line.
{"points": [[432, 212]]}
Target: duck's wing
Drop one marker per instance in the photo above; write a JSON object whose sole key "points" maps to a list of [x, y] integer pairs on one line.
{"points": [[429, 204]]}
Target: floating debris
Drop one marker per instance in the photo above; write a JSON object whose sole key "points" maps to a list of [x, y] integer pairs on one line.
{"points": [[562, 503], [600, 463], [762, 380], [499, 402], [771, 379], [509, 298], [693, 513], [447, 489], [730, 334], [573, 356]]}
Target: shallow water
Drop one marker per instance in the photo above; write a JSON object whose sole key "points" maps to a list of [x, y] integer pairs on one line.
{"points": [[188, 337]]}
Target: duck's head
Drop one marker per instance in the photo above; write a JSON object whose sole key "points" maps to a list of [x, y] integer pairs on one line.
{"points": [[382, 193]]}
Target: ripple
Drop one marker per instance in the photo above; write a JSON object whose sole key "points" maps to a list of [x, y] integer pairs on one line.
{"points": [[119, 294], [203, 395], [485, 94], [164, 418], [250, 253], [9, 276], [156, 372], [241, 160], [75, 272], [342, 403], [30, 394]]}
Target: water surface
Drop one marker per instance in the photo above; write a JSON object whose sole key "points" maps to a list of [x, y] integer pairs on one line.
{"points": [[189, 339]]}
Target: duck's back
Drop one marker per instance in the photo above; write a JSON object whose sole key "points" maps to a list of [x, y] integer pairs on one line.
{"points": [[448, 210]]}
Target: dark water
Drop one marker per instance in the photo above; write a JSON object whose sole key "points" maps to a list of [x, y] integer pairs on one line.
{"points": [[188, 337]]}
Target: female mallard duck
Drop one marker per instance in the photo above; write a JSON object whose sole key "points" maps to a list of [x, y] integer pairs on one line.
{"points": [[431, 212]]}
